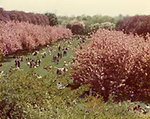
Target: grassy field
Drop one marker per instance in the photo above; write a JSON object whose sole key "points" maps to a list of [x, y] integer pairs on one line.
{"points": [[9, 61]]}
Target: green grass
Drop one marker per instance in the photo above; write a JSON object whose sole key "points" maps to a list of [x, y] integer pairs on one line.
{"points": [[47, 61]]}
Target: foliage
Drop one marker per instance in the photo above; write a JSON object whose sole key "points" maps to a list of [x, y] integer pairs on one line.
{"points": [[68, 25], [91, 23], [108, 25], [23, 95], [77, 27], [21, 16], [114, 63], [26, 96], [17, 36], [136, 24], [52, 19], [90, 20]]}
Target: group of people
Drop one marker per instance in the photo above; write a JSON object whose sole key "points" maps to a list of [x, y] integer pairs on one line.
{"points": [[56, 53], [142, 110], [37, 57], [62, 52], [18, 61], [34, 63]]}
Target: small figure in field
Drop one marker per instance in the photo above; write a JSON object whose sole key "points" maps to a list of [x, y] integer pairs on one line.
{"points": [[57, 61], [61, 70], [64, 53], [43, 54], [54, 58], [21, 58], [34, 64], [59, 47], [35, 53], [1, 73], [69, 43], [146, 110], [83, 41], [60, 86], [48, 68], [137, 108], [48, 46], [66, 64], [17, 63], [50, 49], [31, 63], [27, 58], [1, 65], [73, 60], [28, 63], [39, 62], [11, 68], [90, 92], [59, 55]]}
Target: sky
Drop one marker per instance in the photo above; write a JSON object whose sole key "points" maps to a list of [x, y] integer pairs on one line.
{"points": [[80, 7]]}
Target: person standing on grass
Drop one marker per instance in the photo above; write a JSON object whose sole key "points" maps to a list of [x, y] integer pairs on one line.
{"points": [[31, 64], [59, 47], [58, 55], [18, 63], [64, 53], [39, 62], [54, 58], [147, 107], [59, 85]]}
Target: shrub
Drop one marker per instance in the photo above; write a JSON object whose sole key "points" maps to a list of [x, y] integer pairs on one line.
{"points": [[90, 29], [24, 96], [77, 27], [21, 16], [136, 24], [114, 63], [25, 36], [108, 25], [69, 25], [52, 19]]}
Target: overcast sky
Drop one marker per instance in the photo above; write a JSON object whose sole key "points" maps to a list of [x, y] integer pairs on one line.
{"points": [[79, 7]]}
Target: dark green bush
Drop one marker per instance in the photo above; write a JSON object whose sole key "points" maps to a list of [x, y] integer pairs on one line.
{"points": [[52, 19]]}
